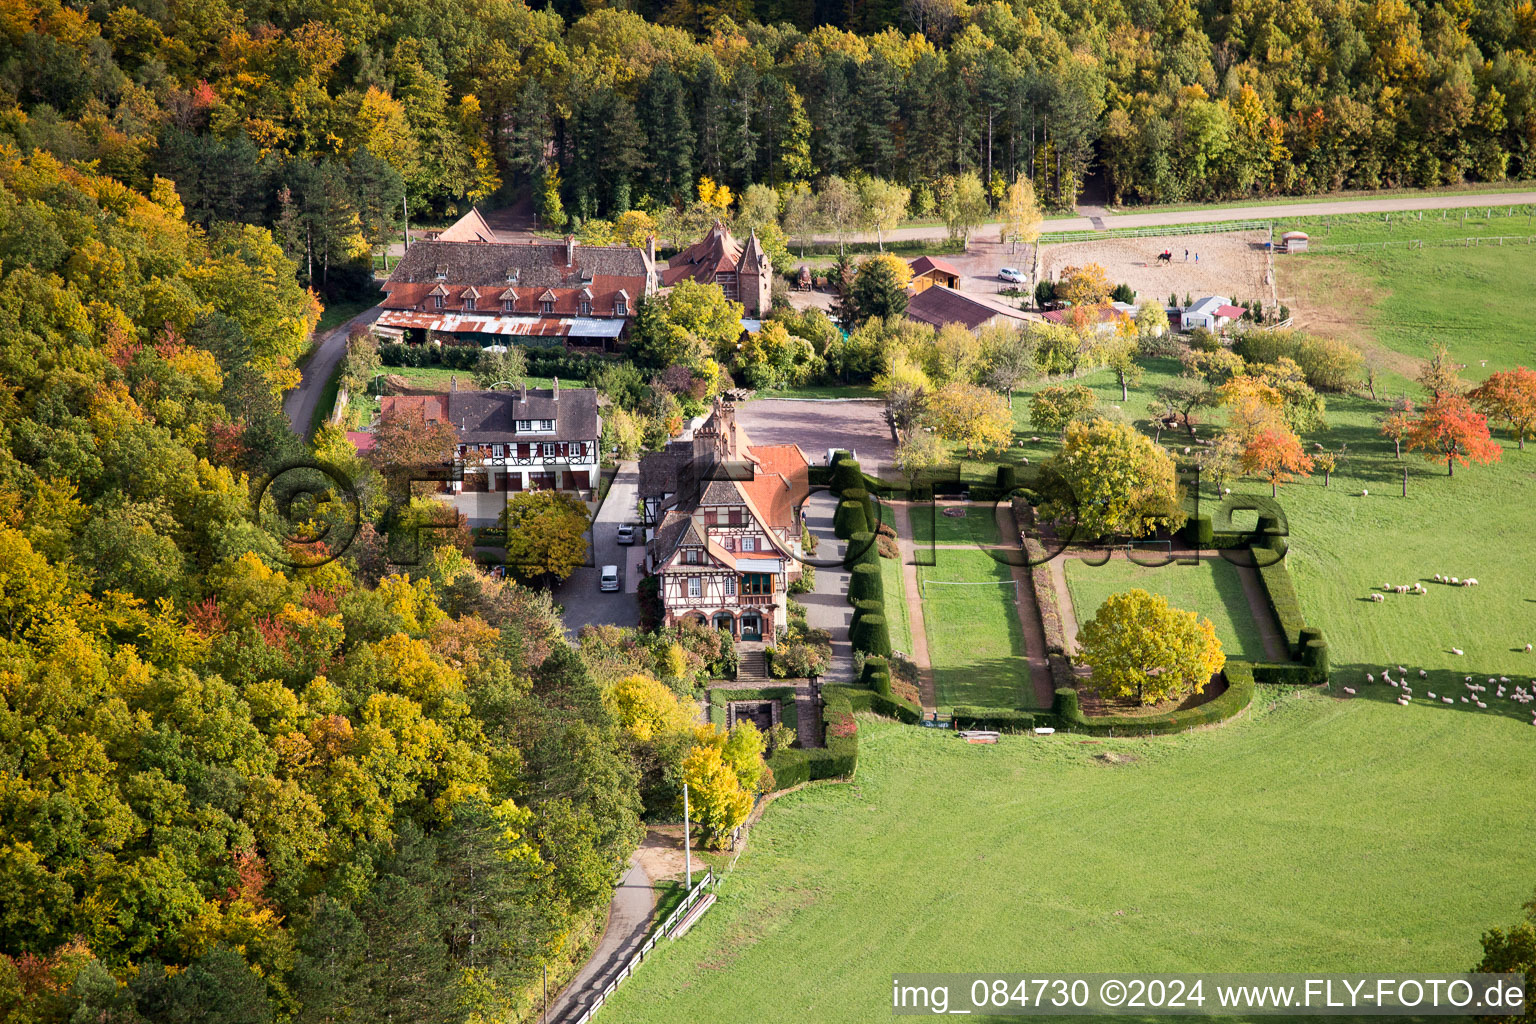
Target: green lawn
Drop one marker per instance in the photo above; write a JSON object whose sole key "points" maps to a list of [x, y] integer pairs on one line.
{"points": [[975, 645], [1317, 835], [822, 391], [1210, 589], [931, 526], [1490, 188], [896, 605]]}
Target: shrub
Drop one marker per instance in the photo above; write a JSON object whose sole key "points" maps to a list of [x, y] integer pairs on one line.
{"points": [[887, 547], [1202, 340], [864, 498], [886, 530], [1329, 364], [1197, 531], [1065, 705], [864, 607], [889, 706], [1265, 347], [849, 519], [1314, 655], [845, 475], [866, 583], [861, 548], [871, 635], [1007, 478], [1285, 673], [1282, 601], [999, 719], [877, 674], [839, 759], [805, 582]]}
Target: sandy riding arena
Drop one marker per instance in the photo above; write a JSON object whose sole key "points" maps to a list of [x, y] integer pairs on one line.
{"points": [[1231, 264]]}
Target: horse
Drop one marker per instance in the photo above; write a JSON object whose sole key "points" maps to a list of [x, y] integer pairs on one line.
{"points": [[1165, 257]]}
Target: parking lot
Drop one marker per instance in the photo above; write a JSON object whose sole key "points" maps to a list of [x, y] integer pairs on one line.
{"points": [[815, 426]]}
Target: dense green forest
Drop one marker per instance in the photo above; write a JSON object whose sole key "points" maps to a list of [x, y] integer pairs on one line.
{"points": [[240, 780], [320, 118]]}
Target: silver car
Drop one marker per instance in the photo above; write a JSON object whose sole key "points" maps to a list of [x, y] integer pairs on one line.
{"points": [[608, 580], [626, 533], [1013, 274]]}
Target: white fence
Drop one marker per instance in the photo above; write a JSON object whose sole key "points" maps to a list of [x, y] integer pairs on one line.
{"points": [[1469, 242], [658, 932], [1216, 227]]}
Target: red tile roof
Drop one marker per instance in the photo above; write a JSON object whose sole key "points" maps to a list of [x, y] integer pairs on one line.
{"points": [[781, 481], [925, 264], [1230, 312], [939, 306]]}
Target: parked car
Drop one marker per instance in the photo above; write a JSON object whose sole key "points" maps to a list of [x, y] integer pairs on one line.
{"points": [[609, 579], [626, 533], [1013, 274]]}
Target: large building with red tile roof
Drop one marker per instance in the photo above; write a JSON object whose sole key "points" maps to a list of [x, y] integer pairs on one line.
{"points": [[489, 292], [939, 306], [723, 516], [741, 269]]}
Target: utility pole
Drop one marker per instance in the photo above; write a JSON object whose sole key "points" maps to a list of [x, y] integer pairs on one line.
{"points": [[545, 1012], [687, 847], [406, 210]]}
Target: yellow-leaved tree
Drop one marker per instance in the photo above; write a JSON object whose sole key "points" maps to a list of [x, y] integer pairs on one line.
{"points": [[1139, 646], [717, 801], [646, 707], [973, 417]]}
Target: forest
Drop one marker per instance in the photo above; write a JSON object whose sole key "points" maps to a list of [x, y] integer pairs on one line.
{"points": [[331, 122]]}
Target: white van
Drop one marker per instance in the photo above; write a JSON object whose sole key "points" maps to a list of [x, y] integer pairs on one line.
{"points": [[608, 580]]}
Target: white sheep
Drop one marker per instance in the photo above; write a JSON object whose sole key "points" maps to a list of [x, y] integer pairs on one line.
{"points": [[1502, 679], [1527, 648], [1403, 701], [1377, 598], [1446, 700], [1423, 674], [1455, 581], [1471, 582], [1431, 694], [1463, 700], [1370, 678], [1437, 578], [1456, 650], [1364, 492], [1482, 705], [1349, 691]]}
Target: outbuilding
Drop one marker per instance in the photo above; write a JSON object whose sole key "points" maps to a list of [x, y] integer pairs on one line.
{"points": [[1294, 241]]}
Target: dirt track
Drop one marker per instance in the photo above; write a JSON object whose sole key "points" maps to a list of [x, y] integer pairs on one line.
{"points": [[1233, 265]]}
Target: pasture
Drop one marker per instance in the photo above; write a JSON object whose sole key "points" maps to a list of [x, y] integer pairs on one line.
{"points": [[1312, 835]]}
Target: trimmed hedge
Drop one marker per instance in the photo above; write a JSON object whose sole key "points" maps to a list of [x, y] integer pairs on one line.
{"points": [[865, 498], [1197, 530], [850, 519], [871, 635], [877, 674], [846, 475], [1238, 695], [999, 719], [1285, 673], [861, 548], [882, 704], [865, 583], [1007, 478], [1283, 602], [863, 607], [838, 760]]}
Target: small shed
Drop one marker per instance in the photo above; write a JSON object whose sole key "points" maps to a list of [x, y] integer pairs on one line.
{"points": [[1294, 241], [927, 272]]}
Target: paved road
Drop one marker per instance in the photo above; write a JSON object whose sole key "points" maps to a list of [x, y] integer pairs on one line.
{"points": [[629, 918], [1267, 211], [827, 607], [578, 595], [301, 401]]}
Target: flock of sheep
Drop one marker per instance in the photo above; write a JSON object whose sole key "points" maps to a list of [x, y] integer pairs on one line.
{"points": [[1418, 588], [1475, 691]]}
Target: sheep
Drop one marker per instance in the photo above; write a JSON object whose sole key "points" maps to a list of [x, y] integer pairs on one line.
{"points": [[1502, 679], [1527, 648], [1446, 700], [1482, 705], [1364, 493], [1404, 701], [1370, 678], [1401, 670], [1463, 700], [1377, 598], [1423, 674], [1437, 578], [1431, 694], [1391, 682], [1456, 651], [1349, 691], [1471, 582], [1455, 581]]}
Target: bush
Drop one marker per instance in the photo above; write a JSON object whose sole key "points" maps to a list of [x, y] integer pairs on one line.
{"points": [[1197, 531], [887, 547], [1329, 364], [1202, 340], [861, 548], [1065, 705], [877, 674], [1284, 673], [1314, 655], [1007, 478], [871, 635], [998, 719], [1265, 347], [889, 706], [849, 519], [845, 475], [864, 498], [1045, 293], [866, 584], [865, 607], [1282, 601]]}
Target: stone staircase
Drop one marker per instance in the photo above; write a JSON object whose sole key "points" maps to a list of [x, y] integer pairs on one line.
{"points": [[753, 667]]}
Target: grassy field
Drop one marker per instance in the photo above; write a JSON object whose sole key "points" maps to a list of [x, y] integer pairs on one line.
{"points": [[822, 391], [1484, 188], [895, 585], [931, 526], [1316, 835], [975, 644], [1210, 589]]}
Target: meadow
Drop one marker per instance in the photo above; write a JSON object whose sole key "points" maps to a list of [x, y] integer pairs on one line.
{"points": [[1312, 835], [1210, 589]]}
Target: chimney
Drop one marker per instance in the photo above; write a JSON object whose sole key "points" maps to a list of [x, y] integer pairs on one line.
{"points": [[522, 392], [570, 250], [453, 383], [650, 249], [555, 387]]}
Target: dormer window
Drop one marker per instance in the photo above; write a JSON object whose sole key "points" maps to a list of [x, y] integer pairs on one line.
{"points": [[512, 273], [506, 305], [437, 302], [749, 544], [620, 307], [442, 272], [691, 556], [585, 305], [469, 302]]}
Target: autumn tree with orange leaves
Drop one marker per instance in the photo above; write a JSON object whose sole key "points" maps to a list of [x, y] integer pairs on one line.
{"points": [[1452, 430], [1510, 396], [1275, 454]]}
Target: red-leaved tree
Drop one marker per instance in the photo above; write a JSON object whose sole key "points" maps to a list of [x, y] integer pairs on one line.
{"points": [[1275, 454], [1452, 430], [1510, 396]]}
